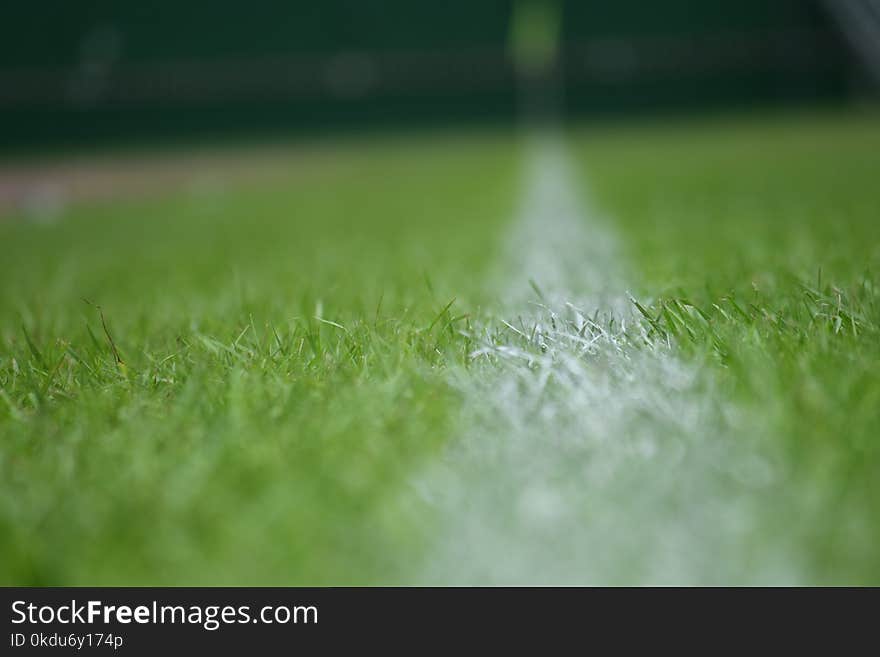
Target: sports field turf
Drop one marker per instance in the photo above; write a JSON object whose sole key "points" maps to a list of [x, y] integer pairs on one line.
{"points": [[286, 346], [772, 230]]}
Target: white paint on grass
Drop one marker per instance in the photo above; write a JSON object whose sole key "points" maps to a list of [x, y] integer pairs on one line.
{"points": [[589, 452]]}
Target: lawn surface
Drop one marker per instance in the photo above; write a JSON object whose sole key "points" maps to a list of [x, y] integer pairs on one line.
{"points": [[285, 346], [771, 229], [244, 440]]}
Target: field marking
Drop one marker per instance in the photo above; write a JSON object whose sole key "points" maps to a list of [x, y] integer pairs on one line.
{"points": [[588, 452]]}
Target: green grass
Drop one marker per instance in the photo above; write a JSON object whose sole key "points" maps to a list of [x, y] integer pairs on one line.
{"points": [[286, 346], [244, 440], [759, 242]]}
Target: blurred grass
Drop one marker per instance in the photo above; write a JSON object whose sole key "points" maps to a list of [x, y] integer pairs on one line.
{"points": [[282, 351], [759, 243], [284, 346]]}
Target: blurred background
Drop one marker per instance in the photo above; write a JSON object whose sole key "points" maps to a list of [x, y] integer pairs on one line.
{"points": [[96, 71], [98, 76]]}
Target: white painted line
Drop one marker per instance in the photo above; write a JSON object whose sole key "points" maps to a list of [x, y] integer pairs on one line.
{"points": [[588, 453]]}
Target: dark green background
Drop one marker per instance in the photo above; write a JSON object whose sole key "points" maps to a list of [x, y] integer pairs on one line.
{"points": [[218, 67]]}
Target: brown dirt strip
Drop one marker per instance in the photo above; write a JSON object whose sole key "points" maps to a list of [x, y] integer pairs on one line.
{"points": [[41, 189]]}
